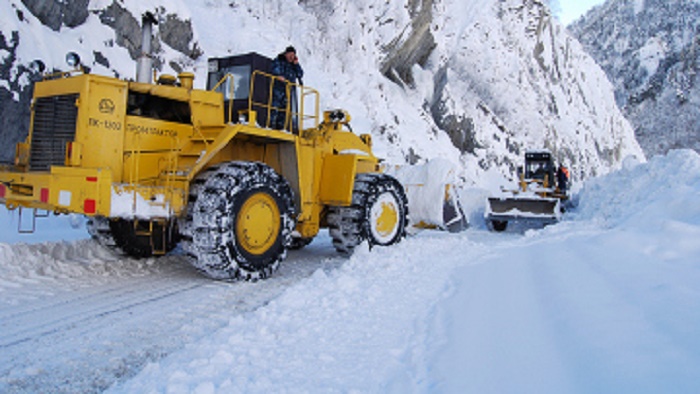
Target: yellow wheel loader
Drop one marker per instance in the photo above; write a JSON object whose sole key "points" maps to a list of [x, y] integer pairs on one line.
{"points": [[154, 164], [537, 201]]}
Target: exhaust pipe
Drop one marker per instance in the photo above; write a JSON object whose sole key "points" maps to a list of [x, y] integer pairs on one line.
{"points": [[144, 65]]}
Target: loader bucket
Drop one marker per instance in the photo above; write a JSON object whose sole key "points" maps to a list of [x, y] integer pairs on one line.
{"points": [[433, 202], [540, 210]]}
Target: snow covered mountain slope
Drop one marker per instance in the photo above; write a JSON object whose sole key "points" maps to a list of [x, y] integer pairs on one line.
{"points": [[605, 301], [474, 81], [650, 50]]}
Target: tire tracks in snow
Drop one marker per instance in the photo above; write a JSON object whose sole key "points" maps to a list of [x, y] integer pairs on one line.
{"points": [[83, 334], [21, 325]]}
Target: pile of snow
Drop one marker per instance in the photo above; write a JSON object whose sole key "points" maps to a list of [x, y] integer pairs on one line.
{"points": [[639, 196]]}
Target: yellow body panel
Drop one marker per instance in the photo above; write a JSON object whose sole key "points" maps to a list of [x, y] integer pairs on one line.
{"points": [[338, 179], [144, 134], [62, 189], [101, 123]]}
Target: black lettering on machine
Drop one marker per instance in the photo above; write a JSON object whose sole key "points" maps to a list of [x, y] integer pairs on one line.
{"points": [[151, 130], [105, 124]]}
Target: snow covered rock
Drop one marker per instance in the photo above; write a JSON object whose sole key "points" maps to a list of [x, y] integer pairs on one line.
{"points": [[511, 72]]}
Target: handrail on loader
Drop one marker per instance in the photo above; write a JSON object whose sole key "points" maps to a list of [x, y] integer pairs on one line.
{"points": [[290, 87], [231, 85]]}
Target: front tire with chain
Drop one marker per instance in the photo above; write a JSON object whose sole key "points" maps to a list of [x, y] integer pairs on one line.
{"points": [[239, 221], [378, 214]]}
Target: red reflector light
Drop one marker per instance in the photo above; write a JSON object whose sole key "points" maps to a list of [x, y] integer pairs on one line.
{"points": [[91, 179], [89, 206], [44, 195], [2, 191]]}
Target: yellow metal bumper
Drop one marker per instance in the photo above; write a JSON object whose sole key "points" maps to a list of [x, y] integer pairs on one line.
{"points": [[87, 191], [63, 189]]}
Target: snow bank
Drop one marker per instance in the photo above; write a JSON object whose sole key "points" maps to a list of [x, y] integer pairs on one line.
{"points": [[28, 271], [607, 301], [667, 189]]}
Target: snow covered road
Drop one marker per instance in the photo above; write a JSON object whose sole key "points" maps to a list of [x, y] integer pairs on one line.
{"points": [[575, 309], [606, 301], [75, 318]]}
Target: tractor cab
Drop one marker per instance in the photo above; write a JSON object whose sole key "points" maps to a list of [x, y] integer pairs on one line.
{"points": [[244, 81], [248, 86], [539, 166]]}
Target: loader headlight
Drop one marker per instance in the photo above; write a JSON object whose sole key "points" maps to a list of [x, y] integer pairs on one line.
{"points": [[37, 66], [73, 60], [337, 115]]}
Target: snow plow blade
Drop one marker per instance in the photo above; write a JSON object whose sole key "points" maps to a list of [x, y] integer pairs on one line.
{"points": [[523, 207], [500, 211], [433, 201]]}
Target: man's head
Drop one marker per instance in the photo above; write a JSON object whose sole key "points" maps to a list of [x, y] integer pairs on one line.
{"points": [[290, 53]]}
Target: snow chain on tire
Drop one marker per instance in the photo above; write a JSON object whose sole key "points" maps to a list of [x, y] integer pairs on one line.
{"points": [[99, 230], [222, 231], [351, 225]]}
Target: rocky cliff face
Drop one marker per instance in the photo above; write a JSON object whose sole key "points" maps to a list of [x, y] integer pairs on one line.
{"points": [[512, 79], [650, 50], [495, 78], [477, 82]]}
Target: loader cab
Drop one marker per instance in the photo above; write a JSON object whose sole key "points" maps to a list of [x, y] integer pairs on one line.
{"points": [[539, 165], [237, 88]]}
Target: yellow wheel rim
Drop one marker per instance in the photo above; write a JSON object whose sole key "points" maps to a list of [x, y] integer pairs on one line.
{"points": [[385, 218], [258, 223]]}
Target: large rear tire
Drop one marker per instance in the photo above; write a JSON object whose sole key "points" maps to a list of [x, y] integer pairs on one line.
{"points": [[139, 239], [239, 221], [378, 213]]}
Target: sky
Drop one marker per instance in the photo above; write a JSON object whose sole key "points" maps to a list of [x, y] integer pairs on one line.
{"points": [[570, 10]]}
